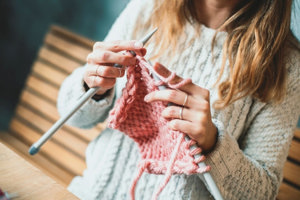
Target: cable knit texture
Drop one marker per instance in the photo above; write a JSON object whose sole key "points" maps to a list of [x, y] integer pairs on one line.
{"points": [[253, 141]]}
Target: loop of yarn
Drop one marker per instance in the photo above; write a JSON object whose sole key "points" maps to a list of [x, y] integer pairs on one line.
{"points": [[160, 147]]}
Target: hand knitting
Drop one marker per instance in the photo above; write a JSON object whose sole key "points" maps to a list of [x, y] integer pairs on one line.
{"points": [[163, 150]]}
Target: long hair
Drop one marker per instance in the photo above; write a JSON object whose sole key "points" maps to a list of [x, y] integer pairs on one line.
{"points": [[257, 32]]}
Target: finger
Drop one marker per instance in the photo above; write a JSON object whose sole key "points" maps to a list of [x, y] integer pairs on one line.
{"points": [[168, 95], [183, 113], [187, 127], [96, 81], [141, 52], [108, 71], [177, 97], [190, 88], [104, 57], [165, 73], [178, 112], [119, 45], [104, 71]]}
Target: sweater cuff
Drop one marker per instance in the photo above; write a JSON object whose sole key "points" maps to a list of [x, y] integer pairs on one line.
{"points": [[224, 156]]}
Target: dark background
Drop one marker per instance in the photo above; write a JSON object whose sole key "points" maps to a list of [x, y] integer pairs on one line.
{"points": [[25, 22]]}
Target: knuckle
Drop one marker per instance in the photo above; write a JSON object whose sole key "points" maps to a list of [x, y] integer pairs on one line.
{"points": [[98, 45], [97, 81], [175, 124], [104, 56], [104, 72], [171, 111], [206, 94], [206, 106], [172, 94], [115, 44]]}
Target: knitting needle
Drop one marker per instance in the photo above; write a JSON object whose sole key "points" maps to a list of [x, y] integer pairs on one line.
{"points": [[91, 92], [207, 176]]}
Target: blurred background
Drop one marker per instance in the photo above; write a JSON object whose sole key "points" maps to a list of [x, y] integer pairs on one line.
{"points": [[24, 24], [23, 27]]}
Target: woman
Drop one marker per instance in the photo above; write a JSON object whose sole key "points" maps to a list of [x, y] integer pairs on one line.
{"points": [[242, 106]]}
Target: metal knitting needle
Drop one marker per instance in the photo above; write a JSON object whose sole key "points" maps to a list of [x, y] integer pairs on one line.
{"points": [[91, 92], [207, 176]]}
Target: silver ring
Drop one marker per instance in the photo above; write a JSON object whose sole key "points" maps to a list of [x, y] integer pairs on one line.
{"points": [[185, 100], [180, 113]]}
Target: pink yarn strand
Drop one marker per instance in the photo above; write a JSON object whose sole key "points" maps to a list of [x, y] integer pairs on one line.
{"points": [[170, 167], [136, 179]]}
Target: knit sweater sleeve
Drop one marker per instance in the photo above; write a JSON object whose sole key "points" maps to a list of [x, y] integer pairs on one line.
{"points": [[252, 167], [72, 88]]}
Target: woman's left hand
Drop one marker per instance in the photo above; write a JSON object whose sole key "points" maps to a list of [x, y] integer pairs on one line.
{"points": [[190, 112]]}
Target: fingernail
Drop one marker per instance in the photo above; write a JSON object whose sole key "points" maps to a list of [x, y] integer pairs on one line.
{"points": [[138, 44], [146, 98]]}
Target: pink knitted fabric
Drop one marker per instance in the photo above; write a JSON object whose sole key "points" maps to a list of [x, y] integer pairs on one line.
{"points": [[163, 151]]}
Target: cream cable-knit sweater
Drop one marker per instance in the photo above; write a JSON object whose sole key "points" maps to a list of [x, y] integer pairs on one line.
{"points": [[253, 142]]}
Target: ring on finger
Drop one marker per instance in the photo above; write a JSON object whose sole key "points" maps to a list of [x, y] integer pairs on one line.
{"points": [[185, 100], [180, 112]]}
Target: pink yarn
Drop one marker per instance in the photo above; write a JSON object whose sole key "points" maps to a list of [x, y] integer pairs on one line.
{"points": [[163, 151]]}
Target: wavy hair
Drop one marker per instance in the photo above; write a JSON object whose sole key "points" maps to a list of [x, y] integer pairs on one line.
{"points": [[254, 47]]}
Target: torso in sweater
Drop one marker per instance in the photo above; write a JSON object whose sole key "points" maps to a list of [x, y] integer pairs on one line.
{"points": [[253, 140]]}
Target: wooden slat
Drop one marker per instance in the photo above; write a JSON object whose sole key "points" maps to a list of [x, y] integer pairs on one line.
{"points": [[64, 137], [49, 73], [63, 155], [291, 172], [51, 169], [49, 110], [39, 104], [42, 87], [297, 133], [294, 152], [287, 192], [55, 152], [66, 64], [75, 37], [69, 48]]}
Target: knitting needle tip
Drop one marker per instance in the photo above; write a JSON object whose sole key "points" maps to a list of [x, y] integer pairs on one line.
{"points": [[148, 36]]}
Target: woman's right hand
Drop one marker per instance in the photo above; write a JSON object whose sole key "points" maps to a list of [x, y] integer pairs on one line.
{"points": [[100, 71]]}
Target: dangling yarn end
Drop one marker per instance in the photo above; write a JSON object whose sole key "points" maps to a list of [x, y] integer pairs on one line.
{"points": [[142, 168], [170, 167]]}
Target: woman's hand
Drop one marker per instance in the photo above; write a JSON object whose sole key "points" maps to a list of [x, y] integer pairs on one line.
{"points": [[190, 112], [100, 71]]}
